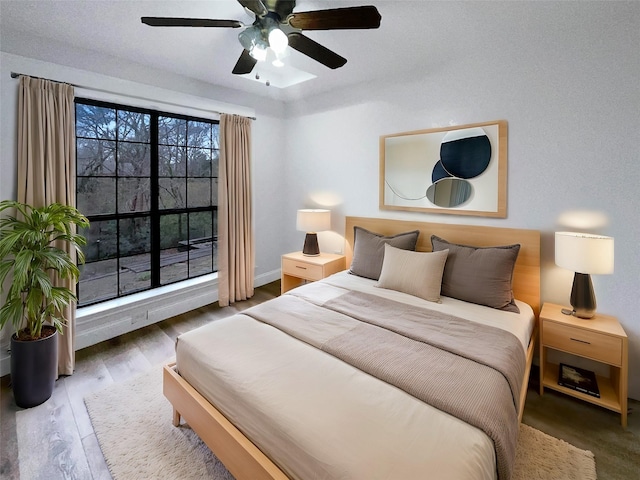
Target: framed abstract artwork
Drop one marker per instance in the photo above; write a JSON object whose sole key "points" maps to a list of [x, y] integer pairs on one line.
{"points": [[460, 170]]}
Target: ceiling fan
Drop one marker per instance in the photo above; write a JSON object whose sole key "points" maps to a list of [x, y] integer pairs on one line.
{"points": [[276, 26]]}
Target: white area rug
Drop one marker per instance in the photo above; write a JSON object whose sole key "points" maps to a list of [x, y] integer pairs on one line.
{"points": [[132, 421], [542, 457]]}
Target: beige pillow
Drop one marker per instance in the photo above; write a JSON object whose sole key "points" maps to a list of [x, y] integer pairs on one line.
{"points": [[416, 273]]}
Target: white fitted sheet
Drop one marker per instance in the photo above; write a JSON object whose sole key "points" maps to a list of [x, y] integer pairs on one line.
{"points": [[317, 417]]}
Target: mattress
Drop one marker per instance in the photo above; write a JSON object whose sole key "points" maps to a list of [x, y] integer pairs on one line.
{"points": [[317, 417]]}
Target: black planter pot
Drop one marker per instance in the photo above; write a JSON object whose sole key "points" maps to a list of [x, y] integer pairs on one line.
{"points": [[34, 366]]}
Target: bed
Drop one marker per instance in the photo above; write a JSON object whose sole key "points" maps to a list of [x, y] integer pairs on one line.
{"points": [[276, 396]]}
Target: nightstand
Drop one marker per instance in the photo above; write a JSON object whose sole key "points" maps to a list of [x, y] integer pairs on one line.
{"points": [[601, 339], [298, 268]]}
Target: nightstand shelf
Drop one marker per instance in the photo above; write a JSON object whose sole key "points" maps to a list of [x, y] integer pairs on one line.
{"points": [[298, 268], [608, 397], [600, 339]]}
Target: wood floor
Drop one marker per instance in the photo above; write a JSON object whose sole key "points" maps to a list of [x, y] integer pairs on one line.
{"points": [[56, 440]]}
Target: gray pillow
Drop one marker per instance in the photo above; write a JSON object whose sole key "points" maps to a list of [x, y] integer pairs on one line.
{"points": [[368, 250], [481, 275]]}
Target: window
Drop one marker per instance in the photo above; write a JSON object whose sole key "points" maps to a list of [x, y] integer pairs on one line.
{"points": [[148, 182]]}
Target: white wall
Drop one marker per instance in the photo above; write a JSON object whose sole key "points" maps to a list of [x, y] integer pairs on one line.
{"points": [[571, 96]]}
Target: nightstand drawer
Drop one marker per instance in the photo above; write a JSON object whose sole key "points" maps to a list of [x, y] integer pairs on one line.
{"points": [[301, 269], [605, 348]]}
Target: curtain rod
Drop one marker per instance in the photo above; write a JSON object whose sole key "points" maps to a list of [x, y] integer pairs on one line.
{"points": [[16, 75]]}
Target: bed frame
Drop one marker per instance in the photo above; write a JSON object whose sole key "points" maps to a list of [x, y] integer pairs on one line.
{"points": [[241, 457]]}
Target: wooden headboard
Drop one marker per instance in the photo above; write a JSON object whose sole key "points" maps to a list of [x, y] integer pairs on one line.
{"points": [[526, 275]]}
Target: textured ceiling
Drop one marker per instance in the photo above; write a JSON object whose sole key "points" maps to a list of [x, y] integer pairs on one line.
{"points": [[415, 37]]}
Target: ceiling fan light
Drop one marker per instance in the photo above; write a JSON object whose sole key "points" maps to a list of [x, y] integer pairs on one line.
{"points": [[278, 40], [258, 52]]}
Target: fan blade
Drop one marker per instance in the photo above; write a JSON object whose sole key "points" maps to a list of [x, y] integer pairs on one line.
{"points": [[316, 51], [336, 18], [189, 22], [244, 64], [255, 6]]}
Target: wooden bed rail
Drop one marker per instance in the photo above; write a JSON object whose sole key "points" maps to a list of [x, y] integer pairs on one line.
{"points": [[241, 457]]}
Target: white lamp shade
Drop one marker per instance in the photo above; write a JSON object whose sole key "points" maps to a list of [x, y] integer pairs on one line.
{"points": [[584, 253], [313, 220]]}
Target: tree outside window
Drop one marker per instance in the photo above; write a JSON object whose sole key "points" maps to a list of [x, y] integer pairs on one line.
{"points": [[148, 182]]}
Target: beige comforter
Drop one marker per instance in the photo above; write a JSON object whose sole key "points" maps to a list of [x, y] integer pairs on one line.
{"points": [[318, 417], [445, 361]]}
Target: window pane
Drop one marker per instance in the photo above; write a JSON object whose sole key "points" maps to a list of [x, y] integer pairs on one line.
{"points": [[133, 126], [215, 130], [96, 195], [201, 259], [214, 191], [199, 134], [98, 281], [172, 193], [101, 240], [173, 266], [134, 195], [174, 242], [171, 161], [199, 192], [134, 159], [95, 122], [95, 157], [134, 236], [172, 131], [201, 240], [200, 226], [135, 273], [173, 231], [199, 162], [215, 163]]}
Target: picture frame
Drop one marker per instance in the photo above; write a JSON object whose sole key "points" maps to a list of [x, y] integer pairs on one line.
{"points": [[458, 170]]}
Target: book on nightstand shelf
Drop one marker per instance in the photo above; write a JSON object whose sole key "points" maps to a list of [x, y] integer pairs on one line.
{"points": [[578, 379]]}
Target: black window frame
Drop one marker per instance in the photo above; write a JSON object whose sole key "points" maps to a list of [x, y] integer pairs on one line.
{"points": [[155, 212]]}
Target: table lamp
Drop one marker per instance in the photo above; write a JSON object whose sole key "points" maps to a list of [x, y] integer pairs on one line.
{"points": [[312, 221], [585, 254]]}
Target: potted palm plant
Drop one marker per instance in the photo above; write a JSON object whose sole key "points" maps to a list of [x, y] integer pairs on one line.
{"points": [[30, 258]]}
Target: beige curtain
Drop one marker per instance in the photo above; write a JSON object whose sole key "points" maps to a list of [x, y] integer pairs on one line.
{"points": [[236, 250], [46, 167]]}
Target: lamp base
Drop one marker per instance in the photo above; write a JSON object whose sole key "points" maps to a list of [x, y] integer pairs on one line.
{"points": [[583, 298], [311, 248]]}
